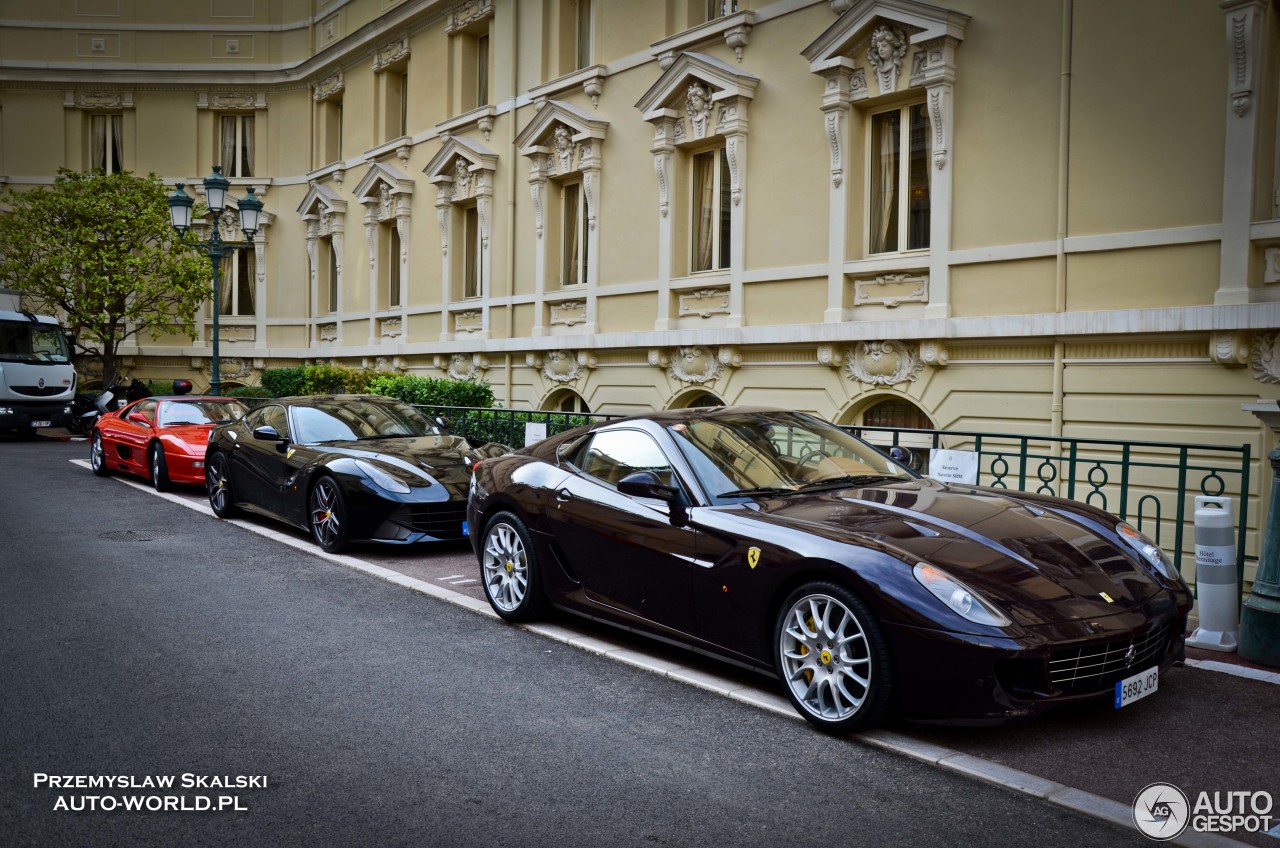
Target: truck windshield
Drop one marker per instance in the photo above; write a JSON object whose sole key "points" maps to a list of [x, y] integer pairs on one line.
{"points": [[26, 341]]}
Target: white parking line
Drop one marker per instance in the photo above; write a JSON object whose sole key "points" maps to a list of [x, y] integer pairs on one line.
{"points": [[956, 762], [463, 582], [451, 577]]}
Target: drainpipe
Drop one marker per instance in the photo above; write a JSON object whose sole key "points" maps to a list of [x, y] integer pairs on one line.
{"points": [[511, 194], [1064, 169]]}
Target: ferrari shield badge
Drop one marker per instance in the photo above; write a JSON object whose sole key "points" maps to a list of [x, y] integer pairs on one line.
{"points": [[753, 557], [289, 453]]}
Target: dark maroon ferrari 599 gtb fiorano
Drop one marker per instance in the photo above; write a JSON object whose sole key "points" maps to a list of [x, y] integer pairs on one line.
{"points": [[779, 542]]}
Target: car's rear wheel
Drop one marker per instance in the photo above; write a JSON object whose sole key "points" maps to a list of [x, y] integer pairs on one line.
{"points": [[833, 658], [217, 478], [510, 570], [159, 469], [328, 515], [98, 455]]}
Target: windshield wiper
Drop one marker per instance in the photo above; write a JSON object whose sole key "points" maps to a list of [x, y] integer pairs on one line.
{"points": [[385, 436], [757, 490], [849, 480]]}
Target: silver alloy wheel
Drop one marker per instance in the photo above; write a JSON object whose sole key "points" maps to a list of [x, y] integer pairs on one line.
{"points": [[825, 657], [216, 480], [96, 457], [326, 518], [506, 569]]}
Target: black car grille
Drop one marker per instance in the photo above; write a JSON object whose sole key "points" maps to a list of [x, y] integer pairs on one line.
{"points": [[1099, 666], [39, 391], [442, 520]]}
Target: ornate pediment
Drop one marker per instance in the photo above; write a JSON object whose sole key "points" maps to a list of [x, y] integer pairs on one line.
{"points": [[461, 166], [670, 94], [545, 133], [321, 201], [851, 37], [381, 180]]}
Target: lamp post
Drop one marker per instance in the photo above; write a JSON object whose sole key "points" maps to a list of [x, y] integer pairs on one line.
{"points": [[180, 206]]}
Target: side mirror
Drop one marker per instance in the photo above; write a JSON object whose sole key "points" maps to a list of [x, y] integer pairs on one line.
{"points": [[645, 484], [71, 346], [442, 422], [902, 456], [138, 418], [267, 433]]}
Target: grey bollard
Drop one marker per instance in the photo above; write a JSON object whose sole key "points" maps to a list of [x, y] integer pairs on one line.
{"points": [[1217, 594]]}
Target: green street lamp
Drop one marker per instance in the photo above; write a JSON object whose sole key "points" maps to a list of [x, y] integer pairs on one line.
{"points": [[180, 208]]}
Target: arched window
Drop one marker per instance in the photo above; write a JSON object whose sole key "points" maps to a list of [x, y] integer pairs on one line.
{"points": [[566, 400], [894, 412], [697, 400]]}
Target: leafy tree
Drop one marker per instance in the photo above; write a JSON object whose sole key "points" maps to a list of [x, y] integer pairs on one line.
{"points": [[99, 250]]}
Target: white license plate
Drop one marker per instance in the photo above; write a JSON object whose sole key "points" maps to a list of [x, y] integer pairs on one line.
{"points": [[1137, 687], [41, 423]]}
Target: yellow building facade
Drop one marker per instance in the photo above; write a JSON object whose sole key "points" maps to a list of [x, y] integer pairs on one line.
{"points": [[1056, 217]]}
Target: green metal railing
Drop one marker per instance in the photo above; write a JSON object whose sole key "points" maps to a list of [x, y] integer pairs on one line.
{"points": [[1152, 485]]}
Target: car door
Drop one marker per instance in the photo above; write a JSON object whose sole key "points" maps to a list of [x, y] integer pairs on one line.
{"points": [[626, 551], [257, 463], [134, 436]]}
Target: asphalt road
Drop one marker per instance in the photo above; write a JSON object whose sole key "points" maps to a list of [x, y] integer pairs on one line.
{"points": [[383, 717]]}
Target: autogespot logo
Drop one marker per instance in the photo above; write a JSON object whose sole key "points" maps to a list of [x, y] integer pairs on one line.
{"points": [[1161, 811]]}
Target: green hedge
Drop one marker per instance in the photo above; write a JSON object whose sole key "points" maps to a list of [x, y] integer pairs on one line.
{"points": [[506, 425], [316, 380], [427, 391], [247, 392]]}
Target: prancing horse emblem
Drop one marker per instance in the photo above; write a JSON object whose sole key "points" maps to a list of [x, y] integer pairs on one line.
{"points": [[753, 557], [1130, 655]]}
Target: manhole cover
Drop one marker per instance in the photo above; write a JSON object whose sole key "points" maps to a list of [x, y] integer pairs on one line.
{"points": [[135, 535]]}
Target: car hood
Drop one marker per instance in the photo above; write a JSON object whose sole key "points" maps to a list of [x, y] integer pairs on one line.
{"points": [[193, 437], [1038, 562], [443, 458]]}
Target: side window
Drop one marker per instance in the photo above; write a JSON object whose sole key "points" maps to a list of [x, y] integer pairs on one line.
{"points": [[612, 455], [268, 416], [148, 409]]}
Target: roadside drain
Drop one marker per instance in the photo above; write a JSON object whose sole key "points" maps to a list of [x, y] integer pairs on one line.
{"points": [[135, 535]]}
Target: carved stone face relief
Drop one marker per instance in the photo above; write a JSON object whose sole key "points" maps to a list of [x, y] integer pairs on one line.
{"points": [[1265, 361], [698, 105], [561, 366], [564, 149], [462, 176], [888, 46]]}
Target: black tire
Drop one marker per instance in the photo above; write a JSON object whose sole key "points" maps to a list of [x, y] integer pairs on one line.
{"points": [[833, 659], [327, 515], [217, 479], [509, 569], [98, 455], [158, 468]]}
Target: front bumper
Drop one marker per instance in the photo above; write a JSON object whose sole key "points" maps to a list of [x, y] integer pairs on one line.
{"points": [[20, 414], [957, 678]]}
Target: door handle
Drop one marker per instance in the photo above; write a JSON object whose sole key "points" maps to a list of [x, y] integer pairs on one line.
{"points": [[564, 495]]}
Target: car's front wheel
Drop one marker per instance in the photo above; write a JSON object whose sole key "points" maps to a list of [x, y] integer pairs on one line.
{"points": [[510, 570], [159, 469], [98, 455], [217, 478], [833, 658], [328, 515]]}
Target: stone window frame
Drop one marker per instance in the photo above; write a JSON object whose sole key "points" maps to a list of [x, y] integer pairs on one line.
{"points": [[682, 126], [465, 24], [463, 172], [386, 193], [324, 212], [235, 328], [108, 104], [857, 83], [391, 68], [561, 141]]}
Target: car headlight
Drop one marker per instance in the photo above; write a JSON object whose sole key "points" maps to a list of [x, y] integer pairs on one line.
{"points": [[382, 479], [964, 601], [1149, 551]]}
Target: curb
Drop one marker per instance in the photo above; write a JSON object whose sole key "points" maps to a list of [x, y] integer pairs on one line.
{"points": [[948, 759]]}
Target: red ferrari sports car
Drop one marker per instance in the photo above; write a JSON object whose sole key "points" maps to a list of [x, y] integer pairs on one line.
{"points": [[160, 438]]}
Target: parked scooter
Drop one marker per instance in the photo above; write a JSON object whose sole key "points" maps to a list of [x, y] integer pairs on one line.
{"points": [[86, 411]]}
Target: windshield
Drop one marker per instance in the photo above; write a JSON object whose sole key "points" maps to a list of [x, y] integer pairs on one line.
{"points": [[349, 420], [771, 453], [178, 412], [26, 341]]}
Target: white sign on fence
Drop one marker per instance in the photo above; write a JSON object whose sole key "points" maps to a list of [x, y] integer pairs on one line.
{"points": [[534, 432], [954, 466]]}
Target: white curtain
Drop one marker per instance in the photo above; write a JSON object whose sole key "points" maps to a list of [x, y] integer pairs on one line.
{"points": [[246, 279], [98, 142], [117, 143], [570, 275], [884, 175], [228, 160], [704, 198], [226, 285]]}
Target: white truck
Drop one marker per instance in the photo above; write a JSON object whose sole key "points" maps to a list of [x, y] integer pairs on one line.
{"points": [[37, 379]]}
